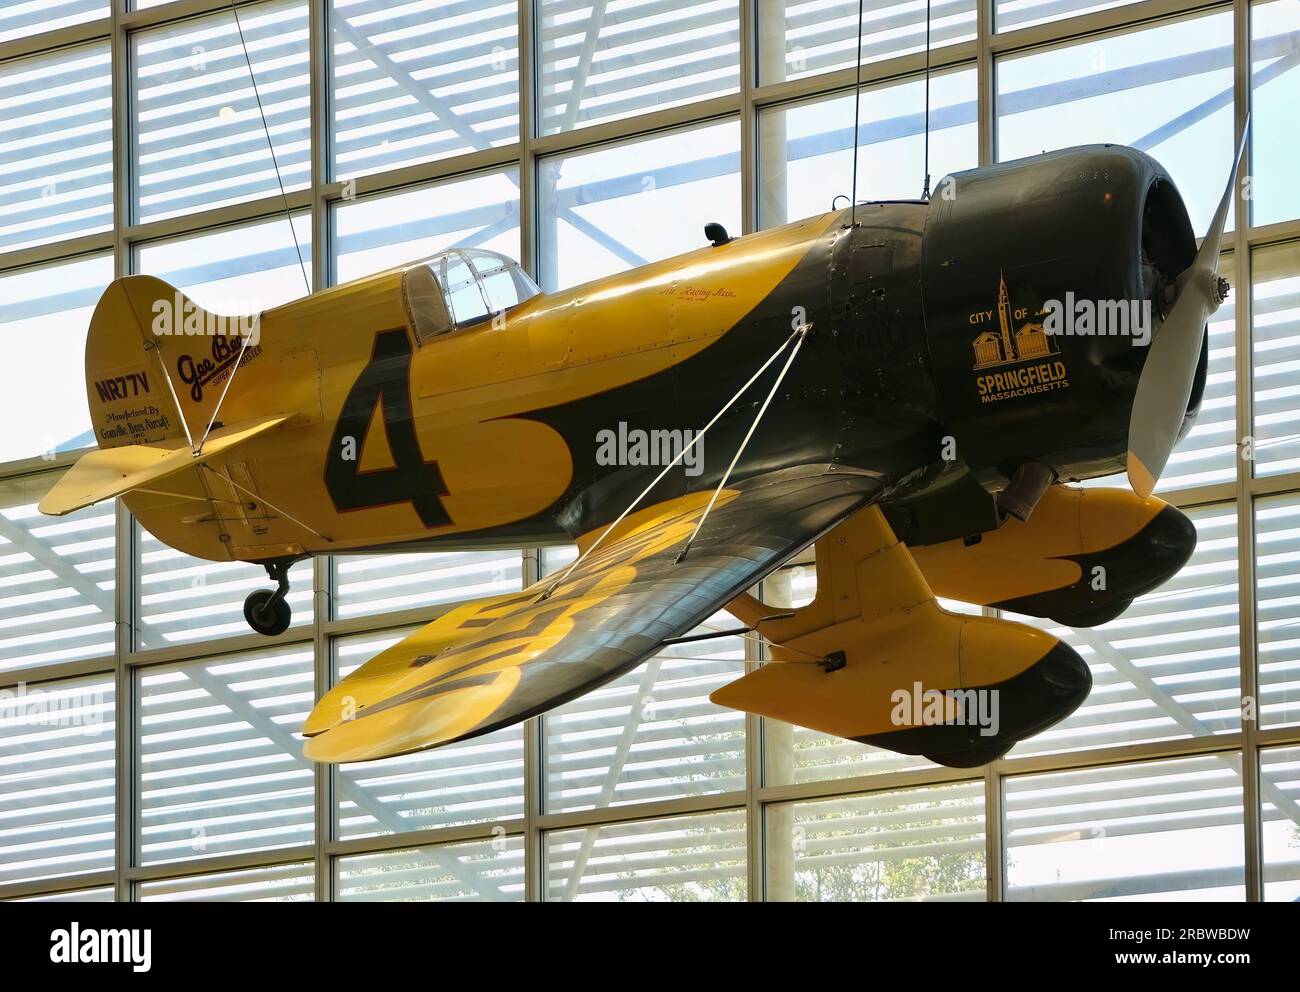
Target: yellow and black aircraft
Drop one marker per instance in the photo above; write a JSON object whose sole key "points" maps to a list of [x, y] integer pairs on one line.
{"points": [[876, 381]]}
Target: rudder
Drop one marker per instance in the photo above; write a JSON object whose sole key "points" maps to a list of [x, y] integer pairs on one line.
{"points": [[157, 362]]}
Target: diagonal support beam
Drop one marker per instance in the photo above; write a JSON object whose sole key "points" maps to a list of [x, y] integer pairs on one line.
{"points": [[104, 601], [1180, 714], [621, 753]]}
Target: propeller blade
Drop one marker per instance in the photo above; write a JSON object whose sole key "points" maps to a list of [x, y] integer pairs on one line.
{"points": [[1160, 403]]}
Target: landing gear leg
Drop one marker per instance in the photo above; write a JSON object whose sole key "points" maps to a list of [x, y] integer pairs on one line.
{"points": [[266, 610]]}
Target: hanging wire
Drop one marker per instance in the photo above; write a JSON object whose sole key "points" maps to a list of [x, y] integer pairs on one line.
{"points": [[857, 112], [275, 164], [288, 215], [925, 193]]}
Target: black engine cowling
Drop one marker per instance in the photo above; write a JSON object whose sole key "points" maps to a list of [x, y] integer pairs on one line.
{"points": [[1102, 223]]}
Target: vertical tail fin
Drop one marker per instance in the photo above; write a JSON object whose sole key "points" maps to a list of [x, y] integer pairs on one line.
{"points": [[157, 364]]}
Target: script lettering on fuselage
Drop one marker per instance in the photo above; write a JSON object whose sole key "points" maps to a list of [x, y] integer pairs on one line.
{"points": [[226, 353]]}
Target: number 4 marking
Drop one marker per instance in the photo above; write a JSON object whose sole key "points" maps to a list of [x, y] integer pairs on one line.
{"points": [[384, 382]]}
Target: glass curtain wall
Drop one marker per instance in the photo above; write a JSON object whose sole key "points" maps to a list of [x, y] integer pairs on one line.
{"points": [[149, 745]]}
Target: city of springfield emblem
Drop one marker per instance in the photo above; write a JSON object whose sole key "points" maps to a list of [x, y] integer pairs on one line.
{"points": [[1024, 354]]}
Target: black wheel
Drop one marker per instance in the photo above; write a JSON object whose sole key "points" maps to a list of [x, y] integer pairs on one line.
{"points": [[265, 615]]}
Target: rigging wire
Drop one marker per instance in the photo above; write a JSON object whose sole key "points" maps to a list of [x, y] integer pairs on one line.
{"points": [[798, 334], [288, 216], [275, 164], [925, 193], [802, 333], [258, 498]]}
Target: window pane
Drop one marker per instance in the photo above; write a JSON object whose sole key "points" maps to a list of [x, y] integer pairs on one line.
{"points": [[379, 583], [180, 599], [602, 61], [56, 779], [1279, 788], [56, 145], [556, 558], [77, 895], [479, 871], [1277, 556], [221, 768], [20, 18], [919, 844], [1169, 666], [44, 314], [414, 82], [198, 139], [57, 599], [699, 858], [478, 780], [1166, 90], [804, 148], [1275, 53], [236, 270], [652, 734], [279, 883], [183, 598], [1163, 830], [803, 37], [623, 205], [1275, 342], [1012, 14], [379, 232]]}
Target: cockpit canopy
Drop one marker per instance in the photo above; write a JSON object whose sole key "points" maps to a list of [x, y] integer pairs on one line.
{"points": [[462, 286]]}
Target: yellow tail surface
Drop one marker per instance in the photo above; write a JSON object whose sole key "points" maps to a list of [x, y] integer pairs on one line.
{"points": [[157, 363], [162, 404], [109, 472]]}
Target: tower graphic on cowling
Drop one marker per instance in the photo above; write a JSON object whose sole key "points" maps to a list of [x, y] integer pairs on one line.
{"points": [[1009, 344]]}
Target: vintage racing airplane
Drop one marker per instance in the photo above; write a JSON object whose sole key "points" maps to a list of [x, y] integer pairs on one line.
{"points": [[877, 381]]}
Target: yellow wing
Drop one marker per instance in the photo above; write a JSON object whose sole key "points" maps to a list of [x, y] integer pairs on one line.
{"points": [[491, 664]]}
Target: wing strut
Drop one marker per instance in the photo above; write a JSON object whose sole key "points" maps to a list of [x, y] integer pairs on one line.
{"points": [[222, 398], [798, 334], [802, 332], [262, 499], [180, 410]]}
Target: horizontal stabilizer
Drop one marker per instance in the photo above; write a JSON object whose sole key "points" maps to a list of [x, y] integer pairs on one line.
{"points": [[109, 472]]}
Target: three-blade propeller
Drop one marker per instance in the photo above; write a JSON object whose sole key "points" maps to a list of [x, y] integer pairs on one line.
{"points": [[1160, 404]]}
